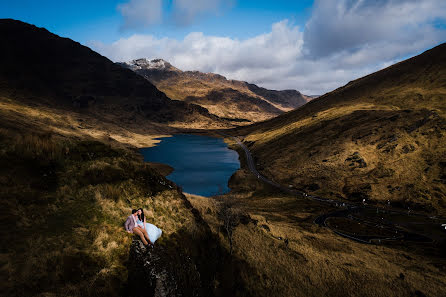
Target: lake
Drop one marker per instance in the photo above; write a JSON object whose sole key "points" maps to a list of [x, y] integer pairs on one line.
{"points": [[202, 164]]}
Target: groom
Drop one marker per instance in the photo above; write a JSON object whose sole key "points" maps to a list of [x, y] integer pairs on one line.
{"points": [[132, 227]]}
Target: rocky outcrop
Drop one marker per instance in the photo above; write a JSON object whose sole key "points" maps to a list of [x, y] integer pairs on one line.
{"points": [[150, 273], [186, 264], [356, 161]]}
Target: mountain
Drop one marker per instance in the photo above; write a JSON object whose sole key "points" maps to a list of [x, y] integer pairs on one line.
{"points": [[379, 138], [70, 173], [231, 99], [39, 67]]}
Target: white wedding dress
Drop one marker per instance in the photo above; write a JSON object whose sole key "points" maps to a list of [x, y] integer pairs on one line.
{"points": [[153, 231]]}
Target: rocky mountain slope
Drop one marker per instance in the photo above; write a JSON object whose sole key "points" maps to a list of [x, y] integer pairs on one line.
{"points": [[232, 99], [41, 68], [379, 138]]}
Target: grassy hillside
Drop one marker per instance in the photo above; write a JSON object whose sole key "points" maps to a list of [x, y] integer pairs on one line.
{"points": [[70, 173], [379, 137], [63, 205], [231, 99], [64, 202], [289, 255]]}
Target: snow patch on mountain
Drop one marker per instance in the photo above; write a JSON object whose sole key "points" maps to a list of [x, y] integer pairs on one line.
{"points": [[143, 63]]}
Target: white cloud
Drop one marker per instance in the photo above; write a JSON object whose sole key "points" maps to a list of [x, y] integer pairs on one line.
{"points": [[141, 13], [342, 40], [348, 25], [253, 59], [144, 13], [186, 11]]}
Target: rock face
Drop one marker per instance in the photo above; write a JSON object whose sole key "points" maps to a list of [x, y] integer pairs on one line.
{"points": [[192, 269], [186, 264], [236, 100], [157, 65], [149, 274]]}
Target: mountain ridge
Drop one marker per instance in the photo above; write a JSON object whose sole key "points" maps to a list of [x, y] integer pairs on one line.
{"points": [[380, 137], [61, 73], [221, 96]]}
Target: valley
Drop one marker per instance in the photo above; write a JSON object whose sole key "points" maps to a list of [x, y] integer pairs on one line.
{"points": [[293, 254], [72, 124]]}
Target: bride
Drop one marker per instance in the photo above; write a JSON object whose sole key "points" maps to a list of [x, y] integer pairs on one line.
{"points": [[153, 231]]}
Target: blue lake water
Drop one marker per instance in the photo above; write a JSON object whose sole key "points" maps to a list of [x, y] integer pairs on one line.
{"points": [[202, 164]]}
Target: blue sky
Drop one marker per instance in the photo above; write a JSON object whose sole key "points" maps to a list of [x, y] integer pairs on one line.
{"points": [[312, 46], [100, 20]]}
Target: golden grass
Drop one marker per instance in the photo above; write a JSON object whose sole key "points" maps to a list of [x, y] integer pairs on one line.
{"points": [[309, 120], [317, 262], [316, 151], [66, 198], [72, 124], [64, 203], [394, 120], [180, 87], [69, 195]]}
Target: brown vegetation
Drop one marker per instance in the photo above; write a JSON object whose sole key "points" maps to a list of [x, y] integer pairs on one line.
{"points": [[64, 202], [237, 101], [377, 138], [70, 174], [287, 254]]}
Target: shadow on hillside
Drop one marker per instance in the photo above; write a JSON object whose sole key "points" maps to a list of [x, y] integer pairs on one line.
{"points": [[185, 264]]}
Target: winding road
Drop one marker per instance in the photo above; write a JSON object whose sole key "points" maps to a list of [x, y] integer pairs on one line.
{"points": [[252, 167], [347, 208]]}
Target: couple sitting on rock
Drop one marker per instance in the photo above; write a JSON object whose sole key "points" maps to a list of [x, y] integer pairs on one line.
{"points": [[136, 223]]}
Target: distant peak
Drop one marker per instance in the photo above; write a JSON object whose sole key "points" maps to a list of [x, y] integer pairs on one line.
{"points": [[155, 64]]}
